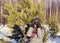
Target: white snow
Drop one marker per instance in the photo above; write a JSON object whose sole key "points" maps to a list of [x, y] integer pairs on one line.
{"points": [[4, 32], [50, 41]]}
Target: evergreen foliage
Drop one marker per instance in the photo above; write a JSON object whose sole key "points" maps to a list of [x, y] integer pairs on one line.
{"points": [[24, 11], [53, 23]]}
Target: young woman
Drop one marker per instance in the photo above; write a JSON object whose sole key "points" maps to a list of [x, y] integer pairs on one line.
{"points": [[36, 33]]}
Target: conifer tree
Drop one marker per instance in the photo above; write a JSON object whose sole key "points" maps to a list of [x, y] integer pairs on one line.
{"points": [[53, 23], [23, 12]]}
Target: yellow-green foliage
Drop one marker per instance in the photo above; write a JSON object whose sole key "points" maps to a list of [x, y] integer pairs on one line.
{"points": [[53, 22], [45, 38], [28, 10]]}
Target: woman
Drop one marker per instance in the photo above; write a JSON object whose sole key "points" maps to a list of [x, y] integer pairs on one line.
{"points": [[36, 33]]}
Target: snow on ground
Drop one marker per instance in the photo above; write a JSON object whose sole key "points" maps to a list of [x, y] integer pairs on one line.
{"points": [[57, 39], [50, 41], [4, 32]]}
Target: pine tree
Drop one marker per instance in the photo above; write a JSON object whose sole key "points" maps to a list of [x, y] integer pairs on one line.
{"points": [[23, 12], [53, 22]]}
